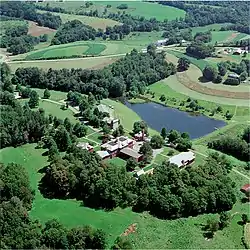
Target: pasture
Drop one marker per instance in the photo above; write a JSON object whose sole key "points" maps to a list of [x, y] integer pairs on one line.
{"points": [[151, 232], [95, 22], [135, 8]]}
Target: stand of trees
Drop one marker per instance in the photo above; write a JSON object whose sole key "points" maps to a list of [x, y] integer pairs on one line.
{"points": [[238, 147], [73, 31], [27, 11], [168, 193], [200, 50], [132, 74], [18, 231]]}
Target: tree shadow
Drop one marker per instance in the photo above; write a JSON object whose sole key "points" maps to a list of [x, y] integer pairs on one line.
{"points": [[46, 153], [241, 223], [42, 170], [202, 79], [244, 200]]}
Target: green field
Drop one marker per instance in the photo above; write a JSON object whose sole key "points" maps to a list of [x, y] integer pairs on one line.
{"points": [[135, 8], [84, 63], [151, 233], [67, 50], [95, 22]]}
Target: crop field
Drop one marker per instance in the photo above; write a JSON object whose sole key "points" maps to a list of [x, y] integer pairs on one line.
{"points": [[135, 8], [84, 63], [151, 232], [95, 22], [67, 50]]}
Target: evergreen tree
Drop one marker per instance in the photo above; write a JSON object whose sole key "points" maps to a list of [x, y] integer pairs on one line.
{"points": [[46, 94], [163, 133], [34, 99]]}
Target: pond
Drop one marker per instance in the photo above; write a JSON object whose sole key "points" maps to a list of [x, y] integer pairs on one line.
{"points": [[158, 116]]}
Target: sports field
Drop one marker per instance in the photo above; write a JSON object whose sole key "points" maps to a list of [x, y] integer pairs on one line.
{"points": [[95, 22], [151, 233], [135, 8]]}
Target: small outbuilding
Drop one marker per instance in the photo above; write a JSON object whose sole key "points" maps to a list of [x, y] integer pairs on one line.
{"points": [[85, 145]]}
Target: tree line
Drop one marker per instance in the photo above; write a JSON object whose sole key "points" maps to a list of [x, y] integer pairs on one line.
{"points": [[28, 11], [132, 74], [239, 147]]}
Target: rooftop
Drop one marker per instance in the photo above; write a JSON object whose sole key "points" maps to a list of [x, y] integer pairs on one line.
{"points": [[103, 154], [182, 157], [130, 152], [246, 187], [84, 145], [117, 143]]}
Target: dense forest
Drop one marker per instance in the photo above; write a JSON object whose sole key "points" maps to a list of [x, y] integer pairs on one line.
{"points": [[238, 147], [132, 74], [28, 11], [73, 31]]}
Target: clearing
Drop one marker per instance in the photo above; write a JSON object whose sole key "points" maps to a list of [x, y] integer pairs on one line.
{"points": [[95, 22], [36, 30]]}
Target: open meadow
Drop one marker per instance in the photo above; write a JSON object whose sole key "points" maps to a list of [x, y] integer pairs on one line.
{"points": [[135, 8]]}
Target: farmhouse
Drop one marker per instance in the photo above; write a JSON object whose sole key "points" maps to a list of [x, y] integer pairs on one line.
{"points": [[114, 146], [85, 145], [182, 159]]}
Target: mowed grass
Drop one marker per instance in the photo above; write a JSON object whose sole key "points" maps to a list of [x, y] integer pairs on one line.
{"points": [[54, 95], [151, 233], [67, 50], [95, 22]]}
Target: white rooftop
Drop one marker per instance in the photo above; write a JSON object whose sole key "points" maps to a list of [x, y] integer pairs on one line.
{"points": [[84, 145], [140, 172], [118, 143], [182, 158], [103, 154]]}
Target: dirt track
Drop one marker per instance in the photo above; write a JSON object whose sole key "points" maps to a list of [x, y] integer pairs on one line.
{"points": [[184, 79]]}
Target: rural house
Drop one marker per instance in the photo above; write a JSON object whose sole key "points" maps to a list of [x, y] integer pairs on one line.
{"points": [[161, 42], [182, 159]]}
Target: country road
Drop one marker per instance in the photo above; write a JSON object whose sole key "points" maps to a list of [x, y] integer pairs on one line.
{"points": [[65, 59]]}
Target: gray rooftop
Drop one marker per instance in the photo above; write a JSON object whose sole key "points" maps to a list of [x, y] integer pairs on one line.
{"points": [[130, 152]]}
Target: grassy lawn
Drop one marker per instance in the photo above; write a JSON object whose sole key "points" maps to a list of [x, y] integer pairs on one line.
{"points": [[151, 233], [95, 22], [116, 162], [95, 137], [67, 50], [54, 95]]}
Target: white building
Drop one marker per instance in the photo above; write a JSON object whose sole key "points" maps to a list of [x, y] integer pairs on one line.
{"points": [[182, 159]]}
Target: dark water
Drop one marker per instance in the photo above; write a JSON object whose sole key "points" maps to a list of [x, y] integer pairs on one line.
{"points": [[158, 116]]}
